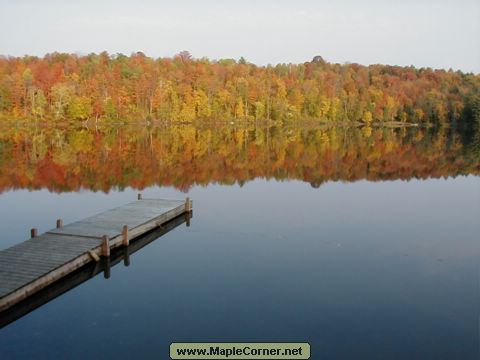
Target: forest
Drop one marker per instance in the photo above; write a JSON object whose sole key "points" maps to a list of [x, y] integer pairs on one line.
{"points": [[111, 88], [104, 158]]}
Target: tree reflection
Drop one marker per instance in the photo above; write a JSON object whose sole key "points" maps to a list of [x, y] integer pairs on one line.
{"points": [[105, 158]]}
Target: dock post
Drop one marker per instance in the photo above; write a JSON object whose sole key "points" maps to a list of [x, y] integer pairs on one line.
{"points": [[105, 246], [187, 218], [188, 204], [33, 232], [126, 240], [59, 223], [139, 196]]}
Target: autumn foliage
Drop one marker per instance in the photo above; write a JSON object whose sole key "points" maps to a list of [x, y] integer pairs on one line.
{"points": [[60, 87], [105, 158]]}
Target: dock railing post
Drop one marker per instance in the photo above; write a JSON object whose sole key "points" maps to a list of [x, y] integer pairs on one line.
{"points": [[59, 223], [105, 246], [125, 239], [33, 232]]}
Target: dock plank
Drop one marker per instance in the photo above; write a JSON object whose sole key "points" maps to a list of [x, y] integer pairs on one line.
{"points": [[25, 262], [111, 222]]}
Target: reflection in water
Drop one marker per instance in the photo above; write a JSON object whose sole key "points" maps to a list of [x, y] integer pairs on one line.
{"points": [[89, 271], [106, 158]]}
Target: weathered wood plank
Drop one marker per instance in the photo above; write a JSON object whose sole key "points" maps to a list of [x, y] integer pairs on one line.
{"points": [[111, 222]]}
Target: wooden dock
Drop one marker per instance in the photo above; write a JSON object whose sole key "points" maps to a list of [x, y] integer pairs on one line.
{"points": [[31, 266], [89, 271]]}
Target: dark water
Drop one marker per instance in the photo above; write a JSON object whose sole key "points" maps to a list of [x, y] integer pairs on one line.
{"points": [[371, 252]]}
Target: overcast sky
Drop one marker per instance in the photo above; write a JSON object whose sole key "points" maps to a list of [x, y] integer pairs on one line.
{"points": [[438, 34]]}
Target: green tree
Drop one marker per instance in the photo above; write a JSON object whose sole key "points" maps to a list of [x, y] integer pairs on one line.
{"points": [[202, 106], [38, 102], [239, 109], [367, 117], [109, 108], [259, 110], [62, 95], [80, 108]]}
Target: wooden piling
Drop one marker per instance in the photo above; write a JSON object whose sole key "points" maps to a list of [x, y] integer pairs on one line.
{"points": [[125, 239], [33, 232], [59, 223], [105, 246], [139, 196]]}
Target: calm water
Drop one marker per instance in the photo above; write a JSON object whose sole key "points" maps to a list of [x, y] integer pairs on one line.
{"points": [[363, 243]]}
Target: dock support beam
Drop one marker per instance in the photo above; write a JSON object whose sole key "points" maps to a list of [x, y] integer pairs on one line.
{"points": [[59, 223], [94, 255], [105, 246], [33, 232], [139, 196]]}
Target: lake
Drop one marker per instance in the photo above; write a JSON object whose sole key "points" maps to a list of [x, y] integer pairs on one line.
{"points": [[361, 241]]}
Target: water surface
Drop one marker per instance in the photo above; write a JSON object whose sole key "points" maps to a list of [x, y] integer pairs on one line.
{"points": [[362, 242]]}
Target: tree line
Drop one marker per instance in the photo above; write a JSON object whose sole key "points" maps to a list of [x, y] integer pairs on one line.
{"points": [[69, 87]]}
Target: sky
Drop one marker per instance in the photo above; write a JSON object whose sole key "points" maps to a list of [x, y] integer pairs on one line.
{"points": [[438, 34]]}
